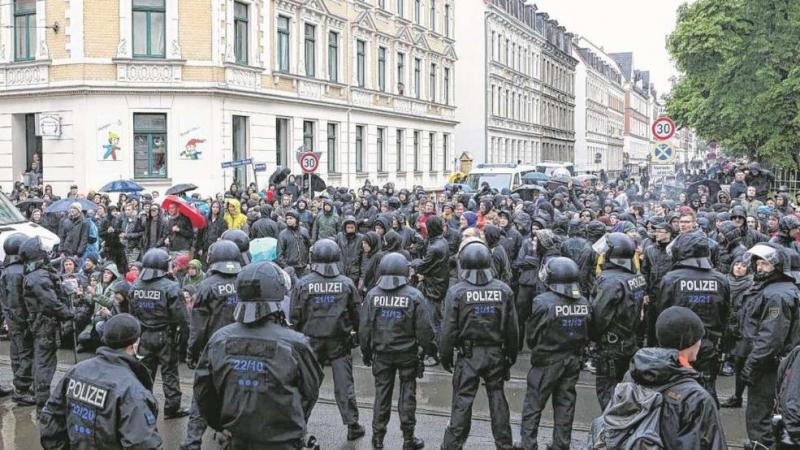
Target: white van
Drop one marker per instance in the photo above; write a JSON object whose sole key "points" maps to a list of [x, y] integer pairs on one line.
{"points": [[499, 176], [12, 221]]}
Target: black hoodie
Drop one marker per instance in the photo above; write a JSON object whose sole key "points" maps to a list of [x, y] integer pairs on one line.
{"points": [[433, 264], [500, 262], [370, 261]]}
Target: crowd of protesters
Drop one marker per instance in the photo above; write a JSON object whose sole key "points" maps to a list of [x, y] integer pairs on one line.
{"points": [[102, 247]]}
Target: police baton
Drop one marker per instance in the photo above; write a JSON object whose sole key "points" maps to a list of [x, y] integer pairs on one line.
{"points": [[74, 328]]}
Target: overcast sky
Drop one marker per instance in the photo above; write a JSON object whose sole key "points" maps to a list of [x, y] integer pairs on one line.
{"points": [[634, 26]]}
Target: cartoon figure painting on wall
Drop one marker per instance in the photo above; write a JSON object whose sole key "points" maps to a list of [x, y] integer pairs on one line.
{"points": [[112, 147], [191, 150]]}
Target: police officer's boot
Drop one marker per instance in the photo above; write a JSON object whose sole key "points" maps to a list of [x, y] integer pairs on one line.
{"points": [[5, 391], [732, 402], [355, 431], [23, 398], [413, 443], [377, 441], [176, 413]]}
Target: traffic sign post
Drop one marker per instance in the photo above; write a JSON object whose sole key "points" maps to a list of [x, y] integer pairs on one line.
{"points": [[663, 128]]}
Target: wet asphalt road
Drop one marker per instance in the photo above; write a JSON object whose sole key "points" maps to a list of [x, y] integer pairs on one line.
{"points": [[19, 430]]}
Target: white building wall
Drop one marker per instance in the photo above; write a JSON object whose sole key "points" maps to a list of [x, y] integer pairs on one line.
{"points": [[73, 157]]}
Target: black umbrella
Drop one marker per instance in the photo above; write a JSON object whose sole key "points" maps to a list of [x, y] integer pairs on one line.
{"points": [[317, 183], [281, 173], [179, 189], [713, 188], [24, 205]]}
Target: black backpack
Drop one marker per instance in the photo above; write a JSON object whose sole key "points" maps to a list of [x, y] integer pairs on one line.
{"points": [[632, 420]]}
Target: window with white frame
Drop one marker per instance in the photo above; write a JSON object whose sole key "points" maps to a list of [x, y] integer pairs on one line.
{"points": [[382, 69], [333, 56], [283, 43], [380, 144], [310, 49], [361, 54], [241, 30], [24, 30], [149, 28]]}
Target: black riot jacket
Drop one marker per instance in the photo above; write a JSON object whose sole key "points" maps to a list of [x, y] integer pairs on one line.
{"points": [[787, 403], [704, 291], [394, 321], [325, 307], [769, 318], [616, 307], [689, 417], [157, 303], [213, 309], [259, 382], [557, 328], [264, 227], [104, 402], [480, 315], [41, 292], [11, 292]]}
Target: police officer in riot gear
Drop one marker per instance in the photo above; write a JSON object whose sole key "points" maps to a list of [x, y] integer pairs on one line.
{"points": [[616, 307], [694, 284], [395, 334], [41, 290], [16, 315], [557, 331], [325, 308], [257, 380], [156, 302], [242, 241], [770, 319], [480, 320], [213, 309], [106, 401]]}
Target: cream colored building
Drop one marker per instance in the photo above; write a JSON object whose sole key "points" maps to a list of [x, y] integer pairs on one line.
{"points": [[517, 101], [165, 91], [600, 114]]}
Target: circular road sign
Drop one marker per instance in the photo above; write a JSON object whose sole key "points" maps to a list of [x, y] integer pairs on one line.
{"points": [[309, 162], [663, 152], [663, 128]]}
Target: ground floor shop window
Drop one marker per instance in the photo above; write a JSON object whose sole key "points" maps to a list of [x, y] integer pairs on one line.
{"points": [[150, 145]]}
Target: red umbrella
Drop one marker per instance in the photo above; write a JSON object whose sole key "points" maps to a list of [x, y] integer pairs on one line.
{"points": [[195, 216]]}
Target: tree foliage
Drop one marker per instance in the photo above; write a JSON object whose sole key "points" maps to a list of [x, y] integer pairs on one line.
{"points": [[740, 76]]}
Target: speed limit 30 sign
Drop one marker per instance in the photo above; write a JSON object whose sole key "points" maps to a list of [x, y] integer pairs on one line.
{"points": [[309, 162], [663, 128]]}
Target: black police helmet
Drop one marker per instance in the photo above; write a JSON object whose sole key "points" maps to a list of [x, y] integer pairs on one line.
{"points": [[241, 240], [785, 225], [261, 287], [325, 257], [621, 249], [31, 250], [561, 275], [393, 271], [475, 263], [223, 257], [155, 264], [729, 231], [692, 249], [12, 245]]}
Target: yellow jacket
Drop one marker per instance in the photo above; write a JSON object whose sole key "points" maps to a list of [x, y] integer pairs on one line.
{"points": [[236, 221]]}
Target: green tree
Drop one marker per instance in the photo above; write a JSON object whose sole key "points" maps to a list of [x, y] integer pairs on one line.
{"points": [[740, 82]]}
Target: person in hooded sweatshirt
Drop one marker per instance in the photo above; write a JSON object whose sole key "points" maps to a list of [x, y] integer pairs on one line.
{"points": [[432, 268], [500, 262], [233, 215], [370, 258], [366, 214], [740, 280], [393, 244], [326, 225], [349, 241], [293, 244]]}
